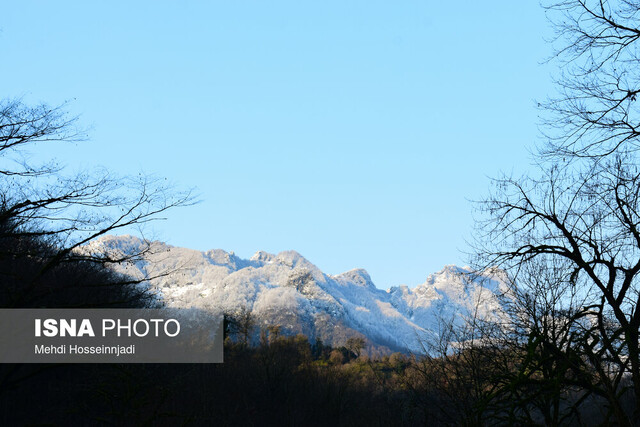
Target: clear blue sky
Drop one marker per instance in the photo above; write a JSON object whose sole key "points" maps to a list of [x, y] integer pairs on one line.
{"points": [[354, 132]]}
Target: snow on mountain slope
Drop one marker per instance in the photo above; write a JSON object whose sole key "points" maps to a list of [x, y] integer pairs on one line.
{"points": [[286, 289]]}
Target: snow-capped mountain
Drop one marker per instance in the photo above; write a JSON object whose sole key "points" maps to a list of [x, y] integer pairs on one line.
{"points": [[288, 290]]}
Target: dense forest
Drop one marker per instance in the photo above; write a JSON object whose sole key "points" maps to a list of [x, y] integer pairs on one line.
{"points": [[288, 381]]}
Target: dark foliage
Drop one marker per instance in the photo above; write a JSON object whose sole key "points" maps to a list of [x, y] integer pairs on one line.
{"points": [[277, 383], [34, 274]]}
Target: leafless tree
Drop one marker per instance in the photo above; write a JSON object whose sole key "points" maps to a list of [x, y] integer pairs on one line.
{"points": [[241, 325], [578, 224], [551, 368], [46, 215], [595, 112]]}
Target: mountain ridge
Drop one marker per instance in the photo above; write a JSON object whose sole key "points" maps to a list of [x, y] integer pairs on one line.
{"points": [[288, 290]]}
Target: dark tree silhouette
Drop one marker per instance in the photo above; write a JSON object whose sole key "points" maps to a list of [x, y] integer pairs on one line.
{"points": [[581, 225], [47, 217], [595, 112]]}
